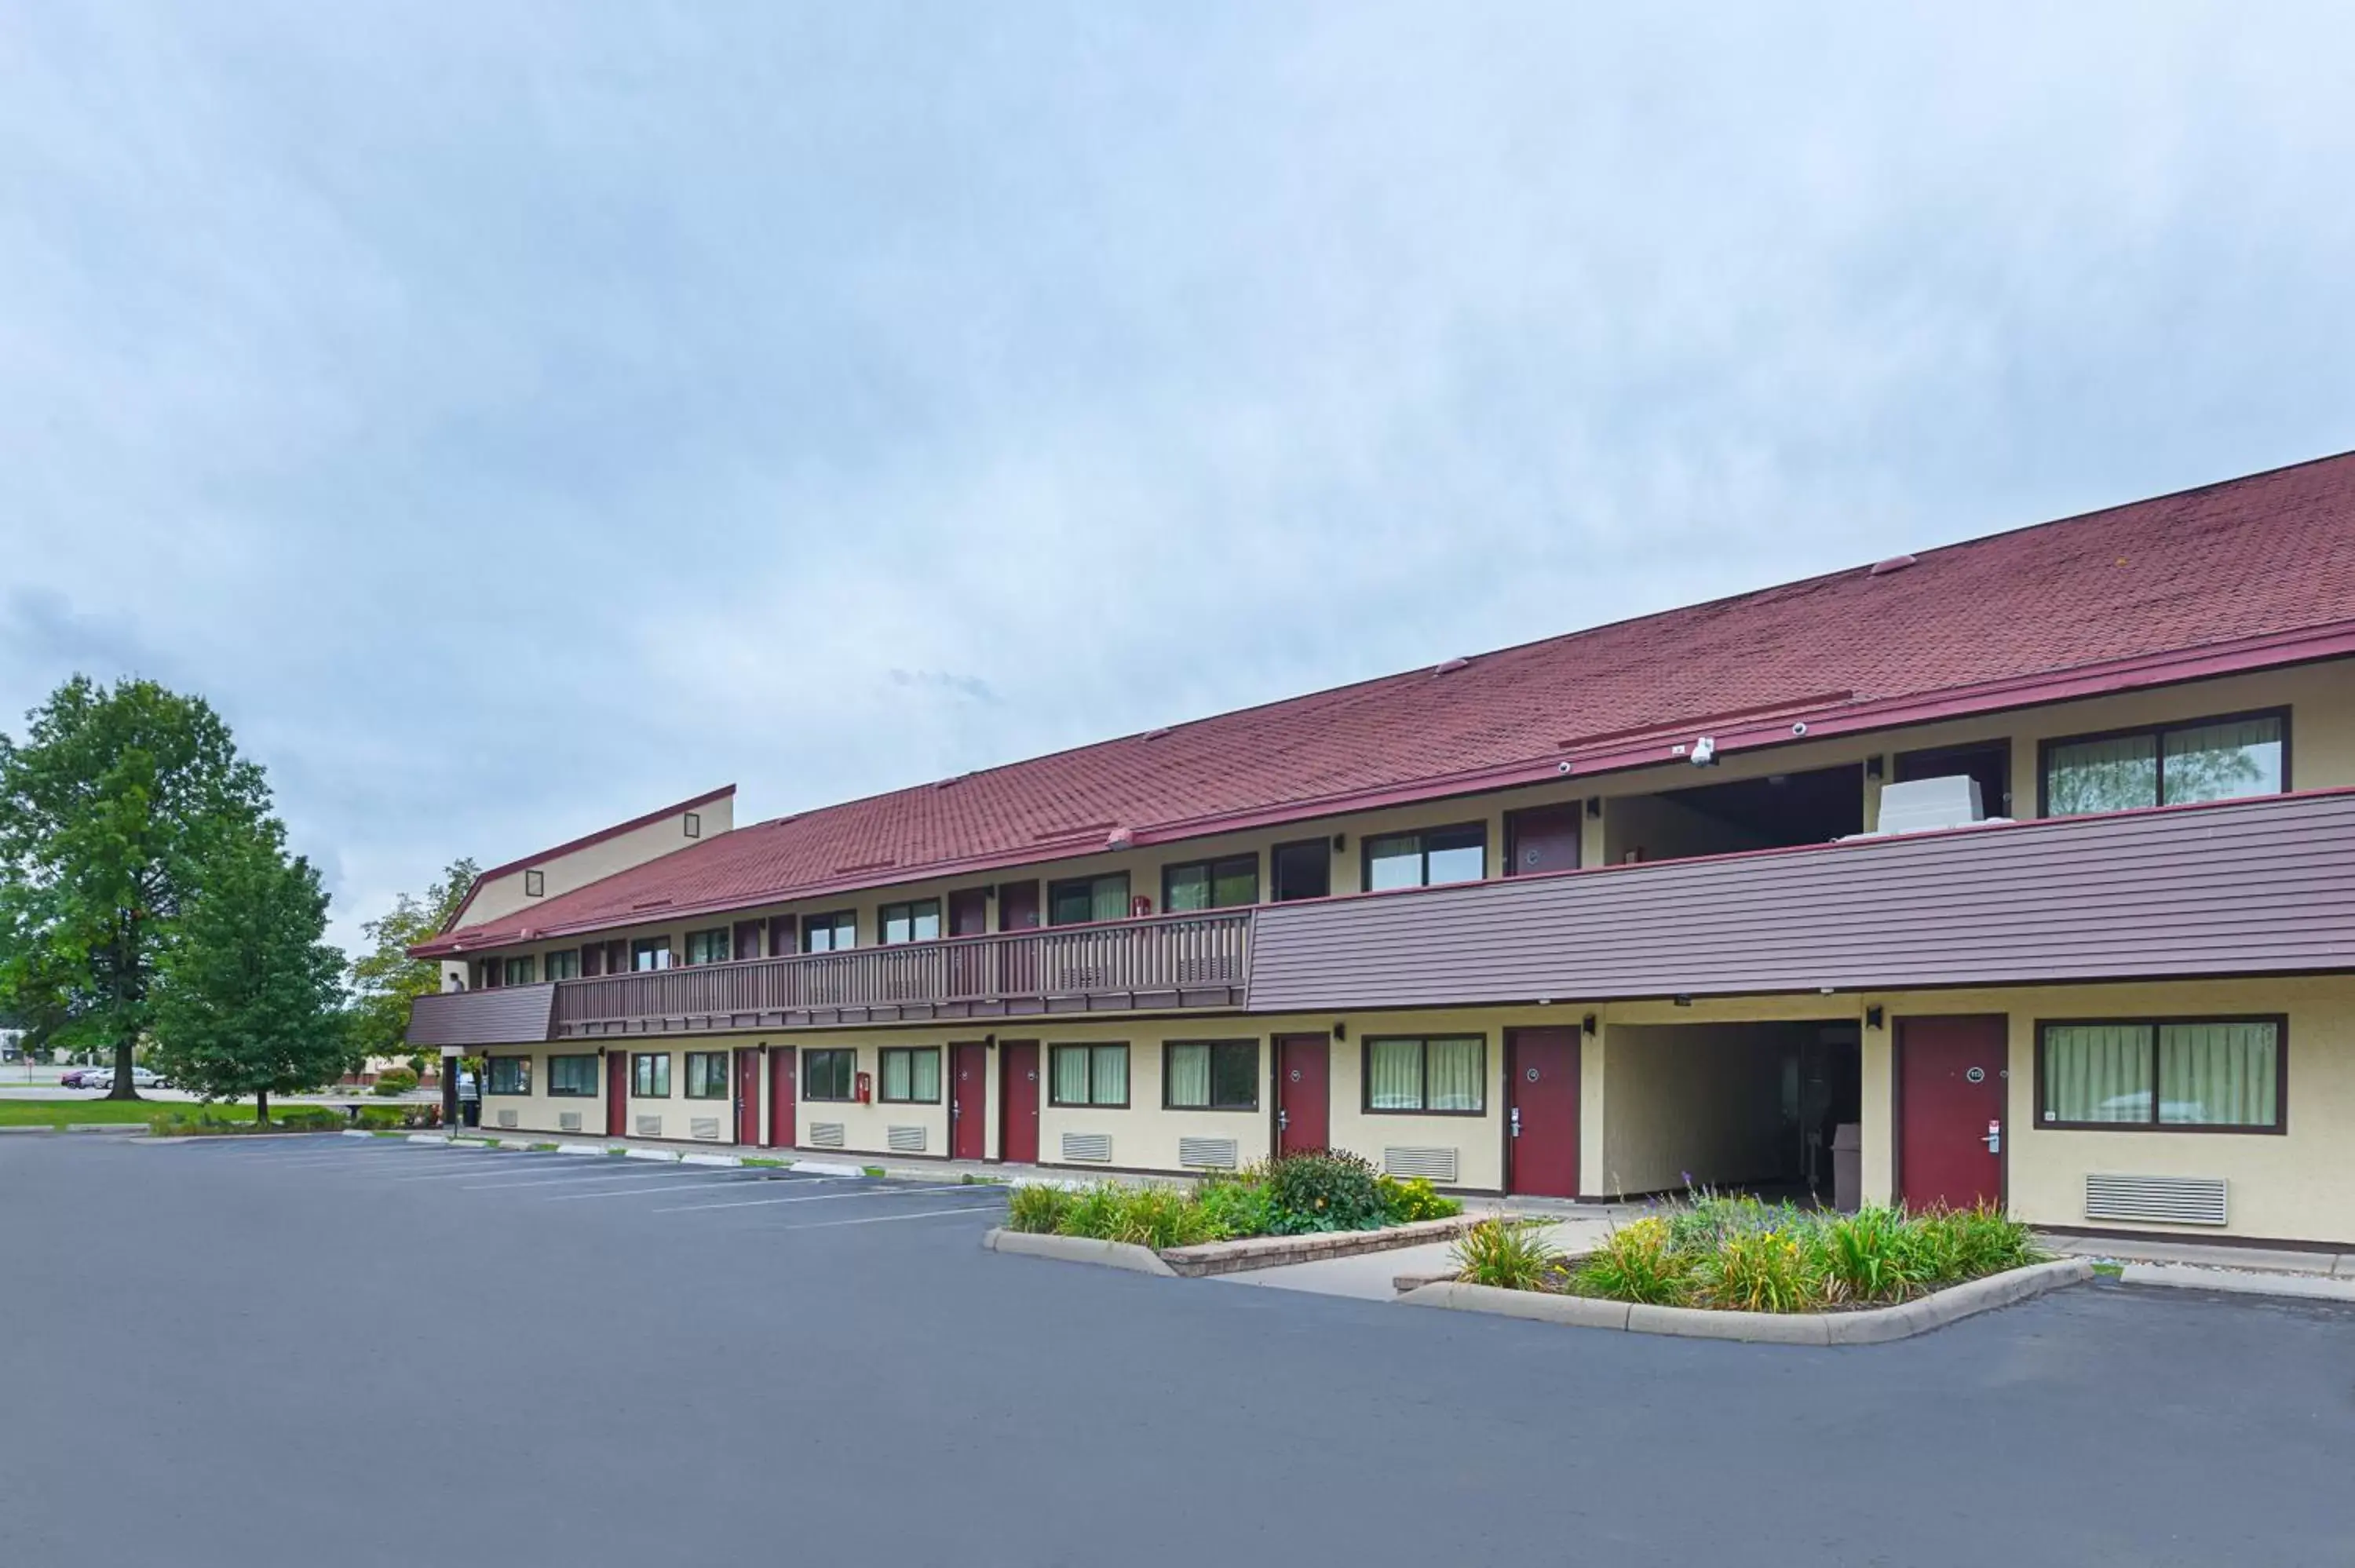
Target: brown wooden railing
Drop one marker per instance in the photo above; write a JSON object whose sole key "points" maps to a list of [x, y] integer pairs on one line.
{"points": [[1182, 960]]}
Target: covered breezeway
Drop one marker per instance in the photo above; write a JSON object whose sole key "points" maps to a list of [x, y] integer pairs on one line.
{"points": [[1753, 1106]]}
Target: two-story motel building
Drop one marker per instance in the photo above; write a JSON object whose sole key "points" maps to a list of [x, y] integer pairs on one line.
{"points": [[1588, 917]]}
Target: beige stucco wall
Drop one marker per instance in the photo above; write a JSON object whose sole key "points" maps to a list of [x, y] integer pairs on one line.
{"points": [[591, 863], [539, 1111]]}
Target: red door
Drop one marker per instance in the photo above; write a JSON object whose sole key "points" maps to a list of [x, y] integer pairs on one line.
{"points": [[617, 1093], [1018, 1139], [783, 1062], [969, 1101], [1303, 1064], [1950, 1092], [748, 1096], [1541, 1112], [1545, 839]]}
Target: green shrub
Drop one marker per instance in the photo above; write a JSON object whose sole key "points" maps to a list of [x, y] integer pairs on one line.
{"points": [[1325, 1190], [1865, 1256], [1406, 1202], [395, 1081], [1163, 1216], [311, 1119], [1761, 1271], [1511, 1254], [1092, 1210], [1950, 1245], [1237, 1206], [1637, 1262], [377, 1118]]}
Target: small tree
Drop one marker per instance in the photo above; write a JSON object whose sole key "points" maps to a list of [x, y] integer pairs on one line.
{"points": [[385, 980], [248, 992], [108, 807]]}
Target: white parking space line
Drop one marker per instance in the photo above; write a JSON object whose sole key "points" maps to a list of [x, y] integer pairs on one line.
{"points": [[639, 1175], [892, 1219], [820, 1197], [672, 1185]]}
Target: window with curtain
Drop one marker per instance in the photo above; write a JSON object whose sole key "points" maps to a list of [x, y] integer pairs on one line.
{"points": [[1211, 883], [517, 972], [707, 1074], [2188, 1073], [713, 946], [650, 1075], [509, 1076], [1089, 1075], [572, 1076], [1437, 1075], [1428, 858], [1210, 1074], [564, 964], [830, 933], [1077, 900], [911, 1074], [2210, 760], [828, 1075], [918, 920]]}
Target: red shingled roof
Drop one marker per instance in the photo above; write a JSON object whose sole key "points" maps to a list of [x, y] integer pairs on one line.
{"points": [[2243, 574]]}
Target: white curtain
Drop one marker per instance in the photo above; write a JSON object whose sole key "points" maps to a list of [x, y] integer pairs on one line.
{"points": [[1109, 1072], [1394, 1074], [895, 1074], [924, 1075], [2103, 775], [1189, 1068], [2219, 1075], [2097, 1072], [1456, 1071], [2224, 761]]}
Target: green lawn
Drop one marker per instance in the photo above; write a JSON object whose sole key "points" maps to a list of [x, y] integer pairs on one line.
{"points": [[59, 1113]]}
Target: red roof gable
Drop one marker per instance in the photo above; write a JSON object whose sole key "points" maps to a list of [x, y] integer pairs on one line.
{"points": [[2251, 572]]}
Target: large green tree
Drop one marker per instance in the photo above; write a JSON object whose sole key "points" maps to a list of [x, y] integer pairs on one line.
{"points": [[248, 993], [384, 979], [109, 807]]}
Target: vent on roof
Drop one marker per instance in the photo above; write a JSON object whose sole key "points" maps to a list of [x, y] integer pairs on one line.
{"points": [[651, 904], [1074, 832], [1448, 666], [1157, 733], [868, 864], [945, 783], [1894, 563]]}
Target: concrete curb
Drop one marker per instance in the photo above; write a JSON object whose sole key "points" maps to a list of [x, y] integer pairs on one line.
{"points": [[128, 1129], [728, 1159], [44, 1127], [356, 1132], [667, 1156], [1873, 1325], [2191, 1277], [1275, 1252], [596, 1149], [428, 1138], [812, 1167], [1080, 1249]]}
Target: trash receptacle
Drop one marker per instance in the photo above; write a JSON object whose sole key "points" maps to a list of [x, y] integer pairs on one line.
{"points": [[1847, 1166]]}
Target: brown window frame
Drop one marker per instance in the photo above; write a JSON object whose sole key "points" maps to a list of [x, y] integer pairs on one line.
{"points": [[1366, 1074], [883, 1075], [548, 963], [1128, 1079], [652, 945], [708, 1057], [810, 1054], [638, 1060], [912, 907], [1210, 868], [1215, 1047], [715, 938], [1127, 900], [2156, 1021], [2158, 734], [831, 922], [1423, 836], [491, 1076], [526, 965], [1274, 861], [589, 1093], [535, 884]]}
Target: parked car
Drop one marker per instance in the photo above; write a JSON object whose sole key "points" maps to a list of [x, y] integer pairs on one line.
{"points": [[72, 1077], [141, 1078]]}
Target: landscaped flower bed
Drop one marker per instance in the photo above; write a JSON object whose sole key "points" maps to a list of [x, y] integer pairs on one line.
{"points": [[1300, 1194], [1739, 1255]]}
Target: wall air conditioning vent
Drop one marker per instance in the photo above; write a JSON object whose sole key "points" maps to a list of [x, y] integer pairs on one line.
{"points": [[2165, 1200], [1207, 1153], [1434, 1164], [706, 1128], [649, 1127], [506, 1119], [568, 1121], [905, 1140], [826, 1135], [1094, 1147]]}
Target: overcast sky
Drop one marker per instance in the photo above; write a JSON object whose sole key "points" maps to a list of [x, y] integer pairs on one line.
{"points": [[514, 416]]}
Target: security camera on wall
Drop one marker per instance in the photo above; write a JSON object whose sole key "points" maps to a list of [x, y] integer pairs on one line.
{"points": [[1704, 752]]}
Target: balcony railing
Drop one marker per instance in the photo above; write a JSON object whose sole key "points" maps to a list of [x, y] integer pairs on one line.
{"points": [[1181, 960]]}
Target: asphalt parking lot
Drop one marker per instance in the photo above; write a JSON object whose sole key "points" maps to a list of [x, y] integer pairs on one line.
{"points": [[357, 1351]]}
